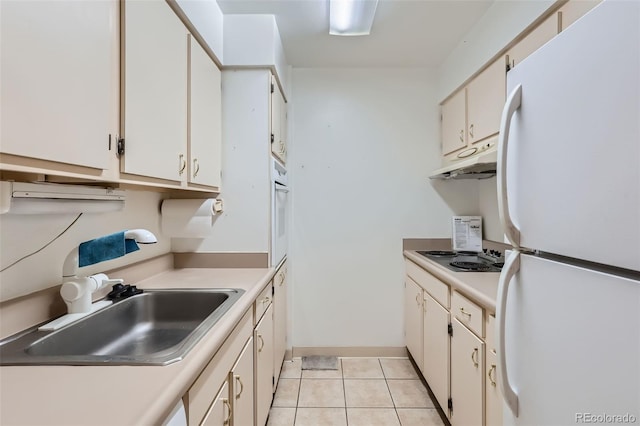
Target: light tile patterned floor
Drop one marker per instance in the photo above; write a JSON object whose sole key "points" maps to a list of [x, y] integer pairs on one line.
{"points": [[362, 392]]}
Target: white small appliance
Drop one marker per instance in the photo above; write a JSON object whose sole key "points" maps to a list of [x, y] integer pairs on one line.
{"points": [[279, 209]]}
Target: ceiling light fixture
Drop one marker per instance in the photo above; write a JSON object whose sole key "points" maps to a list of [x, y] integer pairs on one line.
{"points": [[351, 17]]}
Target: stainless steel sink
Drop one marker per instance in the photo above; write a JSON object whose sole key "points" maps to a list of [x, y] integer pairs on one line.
{"points": [[157, 327]]}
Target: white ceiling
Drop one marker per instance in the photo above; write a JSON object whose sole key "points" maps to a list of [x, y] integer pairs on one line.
{"points": [[405, 33]]}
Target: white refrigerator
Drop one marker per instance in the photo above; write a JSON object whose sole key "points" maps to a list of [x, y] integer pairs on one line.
{"points": [[568, 309]]}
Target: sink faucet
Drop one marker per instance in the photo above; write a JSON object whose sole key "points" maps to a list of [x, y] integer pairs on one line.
{"points": [[76, 291]]}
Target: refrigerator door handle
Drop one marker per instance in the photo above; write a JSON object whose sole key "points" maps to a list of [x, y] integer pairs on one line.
{"points": [[510, 107], [511, 267]]}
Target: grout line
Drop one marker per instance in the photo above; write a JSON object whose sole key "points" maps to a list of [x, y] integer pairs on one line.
{"points": [[344, 390]]}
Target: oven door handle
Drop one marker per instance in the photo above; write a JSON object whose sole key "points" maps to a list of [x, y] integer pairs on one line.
{"points": [[280, 187]]}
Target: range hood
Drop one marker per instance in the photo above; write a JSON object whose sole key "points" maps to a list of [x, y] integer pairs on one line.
{"points": [[479, 166]]}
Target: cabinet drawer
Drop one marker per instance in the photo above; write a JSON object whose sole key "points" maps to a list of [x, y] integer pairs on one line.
{"points": [[468, 313], [263, 302], [490, 333], [436, 288]]}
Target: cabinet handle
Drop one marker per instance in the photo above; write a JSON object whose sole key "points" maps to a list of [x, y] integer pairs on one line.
{"points": [[225, 401], [471, 130], [474, 357], [242, 386], [281, 279], [462, 311], [461, 135], [491, 379], [266, 300], [182, 165], [418, 299], [196, 167], [261, 343]]}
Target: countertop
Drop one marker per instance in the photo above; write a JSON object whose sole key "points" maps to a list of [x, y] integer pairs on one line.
{"points": [[481, 287], [125, 395]]}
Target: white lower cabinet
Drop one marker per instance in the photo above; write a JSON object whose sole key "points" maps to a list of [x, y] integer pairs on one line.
{"points": [[241, 379], [467, 377], [279, 321], [413, 320], [236, 387], [436, 365], [219, 413], [493, 403], [449, 349], [263, 338], [211, 398], [493, 397]]}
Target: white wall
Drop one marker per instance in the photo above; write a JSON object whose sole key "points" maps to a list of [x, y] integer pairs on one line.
{"points": [[363, 142], [254, 40], [244, 225], [23, 234], [208, 19]]}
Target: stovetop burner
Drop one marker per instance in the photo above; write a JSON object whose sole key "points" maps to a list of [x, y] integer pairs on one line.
{"points": [[471, 266], [465, 261]]}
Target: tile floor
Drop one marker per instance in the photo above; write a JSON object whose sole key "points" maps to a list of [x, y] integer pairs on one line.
{"points": [[362, 392]]}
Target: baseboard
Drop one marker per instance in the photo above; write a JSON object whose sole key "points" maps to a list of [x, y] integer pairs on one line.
{"points": [[288, 355], [351, 351]]}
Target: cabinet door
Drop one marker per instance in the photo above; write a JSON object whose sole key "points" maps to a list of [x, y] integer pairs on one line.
{"points": [[493, 398], [436, 349], [467, 377], [205, 116], [413, 320], [219, 413], [57, 63], [263, 337], [155, 91], [278, 117], [573, 10], [283, 128], [279, 321], [485, 100], [242, 387], [534, 40], [454, 136]]}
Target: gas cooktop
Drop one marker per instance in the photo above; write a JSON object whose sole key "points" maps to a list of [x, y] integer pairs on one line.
{"points": [[467, 261]]}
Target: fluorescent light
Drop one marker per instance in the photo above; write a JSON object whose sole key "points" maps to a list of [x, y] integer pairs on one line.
{"points": [[351, 17]]}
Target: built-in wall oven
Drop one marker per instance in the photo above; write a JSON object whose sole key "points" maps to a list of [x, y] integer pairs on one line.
{"points": [[279, 208]]}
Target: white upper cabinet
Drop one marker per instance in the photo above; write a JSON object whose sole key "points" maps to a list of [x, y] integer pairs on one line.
{"points": [[155, 91], [485, 99], [205, 118], [454, 123], [58, 60], [473, 113], [573, 10], [278, 122], [541, 34]]}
